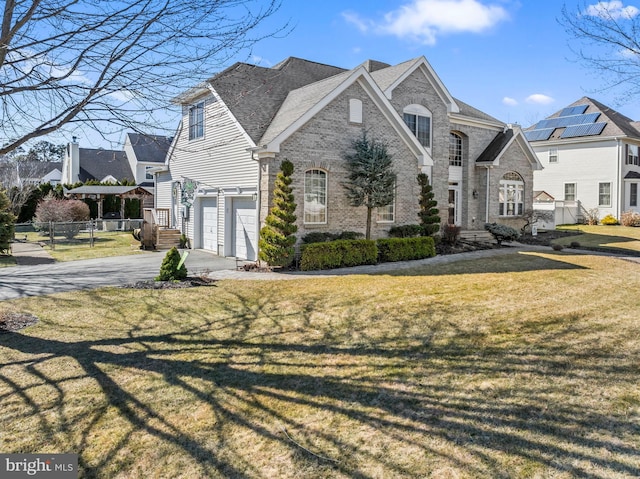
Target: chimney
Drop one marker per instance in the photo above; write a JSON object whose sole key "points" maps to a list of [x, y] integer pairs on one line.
{"points": [[72, 160]]}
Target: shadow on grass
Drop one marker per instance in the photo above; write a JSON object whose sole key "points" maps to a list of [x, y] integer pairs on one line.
{"points": [[253, 376], [506, 263]]}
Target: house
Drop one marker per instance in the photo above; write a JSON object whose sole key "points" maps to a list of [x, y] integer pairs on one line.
{"points": [[217, 183], [590, 157], [140, 153], [32, 172]]}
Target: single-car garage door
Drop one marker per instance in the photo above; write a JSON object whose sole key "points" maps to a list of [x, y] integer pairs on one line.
{"points": [[210, 224], [244, 229]]}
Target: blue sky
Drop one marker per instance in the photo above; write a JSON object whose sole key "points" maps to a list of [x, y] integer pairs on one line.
{"points": [[508, 58]]}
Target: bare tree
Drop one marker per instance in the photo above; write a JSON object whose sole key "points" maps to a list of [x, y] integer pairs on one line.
{"points": [[113, 65], [606, 38]]}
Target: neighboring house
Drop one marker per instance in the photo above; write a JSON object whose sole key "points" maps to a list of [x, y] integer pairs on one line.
{"points": [[145, 152], [39, 172], [139, 154], [590, 157], [237, 127]]}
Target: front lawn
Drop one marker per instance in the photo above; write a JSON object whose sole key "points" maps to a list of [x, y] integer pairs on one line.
{"points": [[614, 239], [518, 366], [106, 244]]}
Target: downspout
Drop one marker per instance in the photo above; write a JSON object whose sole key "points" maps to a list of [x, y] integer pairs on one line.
{"points": [[486, 220], [258, 202], [619, 181]]}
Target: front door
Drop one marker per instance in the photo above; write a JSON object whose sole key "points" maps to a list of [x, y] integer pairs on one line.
{"points": [[454, 205]]}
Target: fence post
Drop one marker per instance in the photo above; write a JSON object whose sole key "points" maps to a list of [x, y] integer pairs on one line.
{"points": [[52, 235], [91, 233]]}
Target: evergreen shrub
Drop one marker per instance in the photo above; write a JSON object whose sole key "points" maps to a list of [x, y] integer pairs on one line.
{"points": [[405, 249], [502, 232], [406, 231], [338, 254], [169, 270]]}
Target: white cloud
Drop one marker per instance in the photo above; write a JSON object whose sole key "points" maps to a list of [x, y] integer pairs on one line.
{"points": [[539, 99], [611, 10], [509, 101], [424, 20], [258, 60]]}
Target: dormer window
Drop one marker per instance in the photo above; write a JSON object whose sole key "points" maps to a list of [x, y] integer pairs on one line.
{"points": [[418, 119], [196, 120]]}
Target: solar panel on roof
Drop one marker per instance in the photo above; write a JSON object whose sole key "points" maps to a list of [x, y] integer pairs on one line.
{"points": [[574, 110], [564, 121], [583, 130], [538, 135]]}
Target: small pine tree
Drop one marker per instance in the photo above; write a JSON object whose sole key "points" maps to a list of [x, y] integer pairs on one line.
{"points": [[277, 237], [7, 223], [371, 176], [428, 214], [169, 270]]}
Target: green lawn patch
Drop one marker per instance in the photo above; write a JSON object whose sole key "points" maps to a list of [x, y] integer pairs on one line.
{"points": [[520, 366], [7, 261], [106, 244]]}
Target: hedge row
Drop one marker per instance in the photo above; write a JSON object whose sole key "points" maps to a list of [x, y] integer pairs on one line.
{"points": [[345, 253], [405, 249]]}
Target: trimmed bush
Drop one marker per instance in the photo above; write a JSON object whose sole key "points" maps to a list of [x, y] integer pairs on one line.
{"points": [[450, 234], [338, 254], [574, 244], [321, 237], [406, 231], [405, 249], [502, 232], [169, 270], [630, 218], [609, 220], [7, 223], [557, 247]]}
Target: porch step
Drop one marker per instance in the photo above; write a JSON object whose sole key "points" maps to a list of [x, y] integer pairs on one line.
{"points": [[168, 238], [478, 236]]}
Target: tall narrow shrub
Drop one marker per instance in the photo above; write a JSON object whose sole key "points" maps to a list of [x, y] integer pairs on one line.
{"points": [[428, 214], [7, 223], [371, 181], [277, 237]]}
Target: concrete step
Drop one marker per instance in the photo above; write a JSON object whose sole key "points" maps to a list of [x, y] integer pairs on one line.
{"points": [[479, 236]]}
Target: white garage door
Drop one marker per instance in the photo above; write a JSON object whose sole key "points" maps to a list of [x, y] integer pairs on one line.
{"points": [[244, 229], [210, 224]]}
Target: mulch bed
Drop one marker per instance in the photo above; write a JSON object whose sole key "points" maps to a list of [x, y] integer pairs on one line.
{"points": [[10, 321], [189, 282]]}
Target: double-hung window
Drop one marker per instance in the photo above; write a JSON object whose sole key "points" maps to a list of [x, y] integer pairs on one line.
{"points": [[196, 120], [569, 191], [418, 119], [633, 194], [553, 155], [315, 197], [604, 194]]}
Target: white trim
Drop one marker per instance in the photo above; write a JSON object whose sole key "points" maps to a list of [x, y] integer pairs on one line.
{"points": [[362, 76], [461, 119], [432, 77]]}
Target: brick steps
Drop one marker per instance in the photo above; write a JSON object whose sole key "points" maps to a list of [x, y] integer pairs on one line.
{"points": [[478, 236]]}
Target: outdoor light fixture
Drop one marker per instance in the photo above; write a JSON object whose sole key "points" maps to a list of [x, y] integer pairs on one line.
{"points": [[254, 197], [475, 194]]}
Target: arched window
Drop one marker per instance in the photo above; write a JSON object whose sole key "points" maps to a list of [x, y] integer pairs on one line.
{"points": [[315, 197], [511, 194], [455, 149], [418, 119]]}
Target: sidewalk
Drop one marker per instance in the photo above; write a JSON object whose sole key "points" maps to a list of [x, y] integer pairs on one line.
{"points": [[30, 254]]}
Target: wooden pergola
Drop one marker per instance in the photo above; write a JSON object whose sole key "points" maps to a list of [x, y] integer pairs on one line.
{"points": [[98, 193]]}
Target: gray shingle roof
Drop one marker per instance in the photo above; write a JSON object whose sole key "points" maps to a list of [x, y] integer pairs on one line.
{"points": [[468, 110], [496, 146], [617, 123], [299, 101], [96, 164], [254, 94], [387, 76], [149, 148]]}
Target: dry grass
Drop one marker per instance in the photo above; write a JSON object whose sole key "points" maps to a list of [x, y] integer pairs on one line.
{"points": [[617, 239], [106, 244], [522, 366]]}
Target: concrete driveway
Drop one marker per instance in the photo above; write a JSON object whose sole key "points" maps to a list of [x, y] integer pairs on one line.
{"points": [[39, 279]]}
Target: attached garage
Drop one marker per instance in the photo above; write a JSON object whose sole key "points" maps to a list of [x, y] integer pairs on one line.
{"points": [[244, 230], [209, 224]]}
